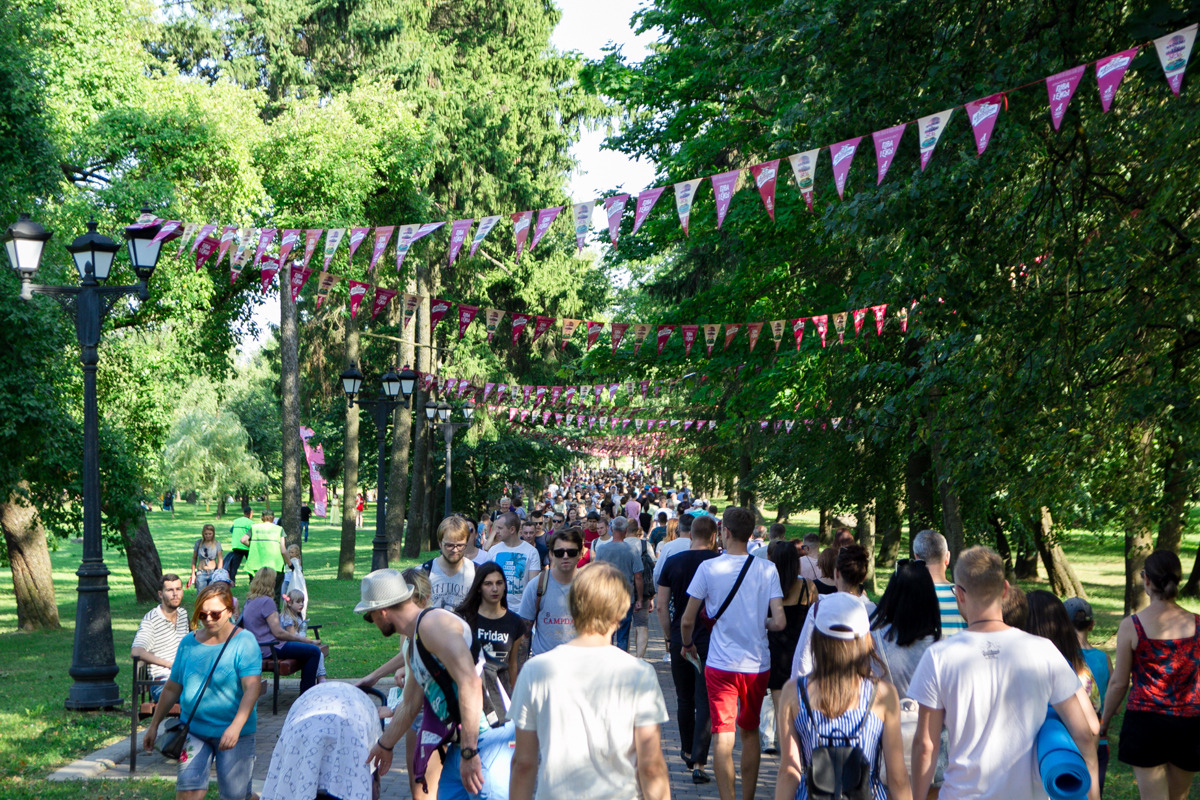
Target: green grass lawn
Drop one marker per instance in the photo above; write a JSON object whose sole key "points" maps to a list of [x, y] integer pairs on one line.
{"points": [[37, 735]]}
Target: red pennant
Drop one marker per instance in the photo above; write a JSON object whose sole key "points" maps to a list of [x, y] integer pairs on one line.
{"points": [[437, 309], [983, 115], [731, 330], [311, 237], [542, 324], [382, 298], [879, 311], [664, 333], [822, 323], [299, 276], [593, 331], [860, 314], [382, 237], [645, 387], [521, 221], [265, 237], [618, 332], [227, 234], [541, 393], [519, 321], [270, 267], [466, 315], [765, 175], [207, 247], [689, 338], [753, 329], [358, 290], [798, 331], [555, 394], [525, 392]]}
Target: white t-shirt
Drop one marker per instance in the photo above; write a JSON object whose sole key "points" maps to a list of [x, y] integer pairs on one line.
{"points": [[668, 549], [448, 591], [521, 564], [584, 703], [739, 640], [802, 663], [994, 688], [554, 624]]}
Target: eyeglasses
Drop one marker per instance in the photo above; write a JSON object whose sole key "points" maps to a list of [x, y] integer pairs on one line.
{"points": [[565, 552], [453, 546], [210, 615]]}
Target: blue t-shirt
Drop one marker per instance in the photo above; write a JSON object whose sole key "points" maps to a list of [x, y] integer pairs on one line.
{"points": [[224, 694]]}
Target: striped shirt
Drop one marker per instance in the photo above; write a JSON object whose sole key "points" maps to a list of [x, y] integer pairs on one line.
{"points": [[819, 730], [952, 621], [159, 636]]}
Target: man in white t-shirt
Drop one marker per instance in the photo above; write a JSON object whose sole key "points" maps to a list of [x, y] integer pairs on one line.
{"points": [[518, 559], [990, 685], [739, 660], [450, 574], [550, 614]]}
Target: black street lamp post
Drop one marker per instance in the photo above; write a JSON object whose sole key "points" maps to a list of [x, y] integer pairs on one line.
{"points": [[396, 389], [439, 414], [93, 660]]}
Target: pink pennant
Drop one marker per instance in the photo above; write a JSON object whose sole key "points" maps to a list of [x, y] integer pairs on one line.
{"points": [[270, 267], [382, 298], [205, 250], [291, 237], [645, 202], [438, 308], [690, 332], [798, 331], [555, 394], [541, 324], [458, 237], [539, 395], [1109, 73], [593, 331], [618, 332], [512, 413], [614, 207], [822, 323], [487, 389], [311, 237], [265, 237], [519, 321], [466, 315], [202, 235], [842, 154], [521, 222], [724, 185], [887, 141], [299, 276], [1060, 89], [860, 314], [612, 391], [879, 311], [227, 234], [409, 234], [357, 237], [545, 219], [358, 290], [382, 237], [983, 115], [765, 175], [664, 333]]}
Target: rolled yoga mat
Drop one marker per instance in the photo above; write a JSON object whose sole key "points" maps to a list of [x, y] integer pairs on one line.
{"points": [[1063, 771]]}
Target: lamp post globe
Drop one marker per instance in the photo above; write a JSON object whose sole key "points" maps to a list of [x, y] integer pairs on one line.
{"points": [[25, 241], [431, 410], [93, 253], [391, 383], [143, 249], [351, 382], [408, 382]]}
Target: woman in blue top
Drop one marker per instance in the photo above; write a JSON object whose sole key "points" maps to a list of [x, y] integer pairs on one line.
{"points": [[840, 697], [223, 722]]}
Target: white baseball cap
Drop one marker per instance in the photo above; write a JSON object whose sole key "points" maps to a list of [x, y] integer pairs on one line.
{"points": [[842, 616]]}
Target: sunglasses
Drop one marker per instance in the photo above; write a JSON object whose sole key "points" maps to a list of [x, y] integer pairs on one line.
{"points": [[207, 615], [564, 552]]}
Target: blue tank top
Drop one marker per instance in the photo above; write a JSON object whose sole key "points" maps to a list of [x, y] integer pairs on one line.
{"points": [[811, 729]]}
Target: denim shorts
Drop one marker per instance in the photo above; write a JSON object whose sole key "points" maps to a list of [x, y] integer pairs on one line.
{"points": [[235, 767]]}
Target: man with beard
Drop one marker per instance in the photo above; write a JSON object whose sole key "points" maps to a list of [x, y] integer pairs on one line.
{"points": [[160, 632], [450, 575]]}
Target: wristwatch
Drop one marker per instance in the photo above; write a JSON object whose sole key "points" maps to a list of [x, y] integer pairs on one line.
{"points": [[468, 753]]}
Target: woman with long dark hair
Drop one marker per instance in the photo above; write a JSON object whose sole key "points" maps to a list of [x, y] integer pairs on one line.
{"points": [[497, 629], [906, 622], [798, 596]]}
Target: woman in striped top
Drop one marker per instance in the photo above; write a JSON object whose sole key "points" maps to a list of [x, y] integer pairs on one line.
{"points": [[840, 697]]}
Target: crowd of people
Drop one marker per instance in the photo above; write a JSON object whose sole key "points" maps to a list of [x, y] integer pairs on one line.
{"points": [[522, 670]]}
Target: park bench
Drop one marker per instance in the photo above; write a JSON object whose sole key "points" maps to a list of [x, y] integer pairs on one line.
{"points": [[142, 706], [282, 667]]}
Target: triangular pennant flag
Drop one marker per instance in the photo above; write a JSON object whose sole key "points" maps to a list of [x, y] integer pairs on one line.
{"points": [[777, 327], [324, 284], [299, 276], [227, 235], [929, 131], [593, 331], [687, 424], [333, 238], [860, 314], [545, 219], [664, 333], [765, 175], [614, 207], [500, 390], [711, 331], [689, 338], [753, 329], [645, 202], [569, 394], [618, 332], [458, 237], [1174, 50], [798, 331], [541, 325], [624, 424], [546, 416], [645, 386], [822, 323], [804, 168], [568, 328], [902, 314], [485, 227], [491, 320], [640, 331], [879, 311], [887, 141], [487, 389], [583, 222], [724, 185], [685, 196], [521, 222], [382, 298], [188, 230], [410, 234], [270, 267], [512, 413], [839, 324], [1109, 73], [466, 315], [788, 423], [358, 290], [570, 419], [265, 237], [291, 238], [519, 321], [836, 421], [712, 423], [311, 237], [382, 237], [638, 423], [842, 154], [983, 115], [525, 392], [731, 330], [463, 385], [411, 303], [205, 250], [1060, 89], [555, 394], [202, 234], [558, 418], [357, 237], [541, 394], [237, 259], [438, 308]]}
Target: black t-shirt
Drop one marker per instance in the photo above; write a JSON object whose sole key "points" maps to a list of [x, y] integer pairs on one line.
{"points": [[305, 513], [496, 638], [677, 575]]}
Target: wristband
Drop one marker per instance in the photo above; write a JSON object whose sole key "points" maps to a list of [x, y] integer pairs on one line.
{"points": [[686, 646], [379, 742]]}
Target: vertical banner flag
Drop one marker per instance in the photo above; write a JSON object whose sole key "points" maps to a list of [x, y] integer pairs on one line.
{"points": [[804, 168], [929, 131], [689, 338], [839, 324], [270, 267], [843, 156], [333, 238], [466, 315], [753, 330], [1174, 50], [358, 290], [541, 325], [1109, 72], [202, 235], [1060, 89], [614, 207], [568, 328], [593, 332], [382, 237], [227, 234], [860, 314], [822, 323], [382, 298], [685, 196], [618, 333], [765, 175], [188, 230], [545, 219], [410, 234], [519, 321], [711, 331], [777, 326], [798, 331], [265, 237], [357, 237], [640, 331], [879, 311], [437, 309], [291, 237], [299, 276], [458, 237], [326, 282], [311, 237], [583, 222], [521, 221], [724, 185], [491, 320], [902, 313], [411, 303], [886, 143], [645, 202], [664, 333], [485, 227], [205, 250], [983, 115], [731, 330]]}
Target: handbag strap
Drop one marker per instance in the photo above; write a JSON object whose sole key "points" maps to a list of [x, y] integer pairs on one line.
{"points": [[883, 652], [204, 688], [736, 585]]}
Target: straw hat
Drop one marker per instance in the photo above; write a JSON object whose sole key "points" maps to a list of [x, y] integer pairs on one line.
{"points": [[382, 588]]}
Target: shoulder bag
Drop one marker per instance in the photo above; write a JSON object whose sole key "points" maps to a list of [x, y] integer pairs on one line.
{"points": [[175, 731], [710, 622]]}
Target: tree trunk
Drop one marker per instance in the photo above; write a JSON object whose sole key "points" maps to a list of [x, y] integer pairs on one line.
{"points": [[221, 505], [349, 469], [402, 430], [745, 494], [952, 522], [1175, 496], [29, 560], [782, 512], [432, 517], [289, 383], [1027, 560], [420, 456], [891, 512], [1003, 548], [142, 556], [866, 538], [1062, 578], [1192, 587], [1139, 515], [825, 527], [918, 489]]}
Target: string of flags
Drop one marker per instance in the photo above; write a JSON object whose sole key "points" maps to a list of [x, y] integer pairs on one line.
{"points": [[650, 426]]}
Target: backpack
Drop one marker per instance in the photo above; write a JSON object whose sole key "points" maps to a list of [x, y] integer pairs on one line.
{"points": [[648, 587], [839, 769]]}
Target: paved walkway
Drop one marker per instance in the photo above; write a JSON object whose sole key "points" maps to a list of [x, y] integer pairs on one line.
{"points": [[113, 762]]}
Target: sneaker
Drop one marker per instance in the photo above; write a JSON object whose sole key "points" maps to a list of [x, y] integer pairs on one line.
{"points": [[771, 750], [700, 776], [666, 658]]}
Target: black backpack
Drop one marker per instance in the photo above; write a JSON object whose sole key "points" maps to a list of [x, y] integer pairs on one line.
{"points": [[648, 587], [840, 769]]}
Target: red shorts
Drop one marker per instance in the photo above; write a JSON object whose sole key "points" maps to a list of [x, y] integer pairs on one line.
{"points": [[728, 690]]}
